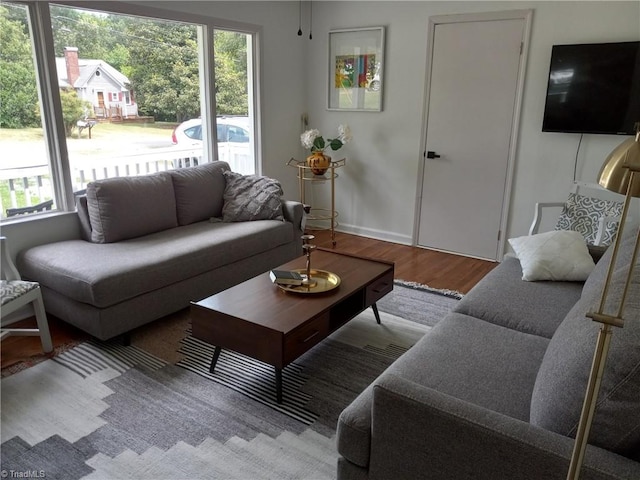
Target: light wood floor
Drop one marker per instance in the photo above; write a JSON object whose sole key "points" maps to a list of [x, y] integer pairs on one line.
{"points": [[436, 269]]}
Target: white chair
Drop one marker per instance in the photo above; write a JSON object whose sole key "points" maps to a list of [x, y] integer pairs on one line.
{"points": [[592, 214], [16, 293]]}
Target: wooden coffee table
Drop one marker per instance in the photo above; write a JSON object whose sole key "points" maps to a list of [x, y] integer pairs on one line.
{"points": [[260, 320]]}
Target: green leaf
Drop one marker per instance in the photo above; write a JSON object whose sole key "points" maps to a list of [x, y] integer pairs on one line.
{"points": [[335, 144], [318, 143]]}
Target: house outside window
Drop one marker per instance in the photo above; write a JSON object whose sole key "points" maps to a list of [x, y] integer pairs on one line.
{"points": [[125, 124]]}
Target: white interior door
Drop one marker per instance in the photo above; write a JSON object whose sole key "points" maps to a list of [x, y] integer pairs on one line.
{"points": [[473, 89]]}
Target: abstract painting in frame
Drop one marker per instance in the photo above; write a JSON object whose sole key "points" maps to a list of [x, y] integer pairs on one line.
{"points": [[356, 61]]}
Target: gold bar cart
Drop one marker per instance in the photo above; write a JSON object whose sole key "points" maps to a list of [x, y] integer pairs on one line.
{"points": [[319, 214]]}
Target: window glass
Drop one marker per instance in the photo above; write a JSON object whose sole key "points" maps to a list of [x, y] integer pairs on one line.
{"points": [[234, 100], [130, 100], [238, 134], [25, 175], [127, 134]]}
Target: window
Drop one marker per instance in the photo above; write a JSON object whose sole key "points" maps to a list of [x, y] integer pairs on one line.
{"points": [[25, 174], [234, 99], [120, 122], [238, 135]]}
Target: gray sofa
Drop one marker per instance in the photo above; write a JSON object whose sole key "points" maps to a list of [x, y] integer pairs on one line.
{"points": [[153, 243], [495, 389]]}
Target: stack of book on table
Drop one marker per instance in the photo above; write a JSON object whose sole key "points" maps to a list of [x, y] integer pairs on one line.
{"points": [[286, 277]]}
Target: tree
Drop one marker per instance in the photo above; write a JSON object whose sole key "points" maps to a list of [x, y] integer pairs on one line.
{"points": [[164, 69], [231, 87], [73, 109], [230, 50], [18, 95], [159, 57]]}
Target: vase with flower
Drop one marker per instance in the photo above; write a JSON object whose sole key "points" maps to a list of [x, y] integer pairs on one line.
{"points": [[313, 140]]}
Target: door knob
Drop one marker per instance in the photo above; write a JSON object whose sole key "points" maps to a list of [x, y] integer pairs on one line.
{"points": [[431, 154]]}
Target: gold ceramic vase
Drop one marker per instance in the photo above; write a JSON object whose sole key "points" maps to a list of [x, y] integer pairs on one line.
{"points": [[318, 162]]}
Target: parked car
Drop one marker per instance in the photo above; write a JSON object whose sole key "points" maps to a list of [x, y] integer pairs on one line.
{"points": [[233, 142], [229, 129]]}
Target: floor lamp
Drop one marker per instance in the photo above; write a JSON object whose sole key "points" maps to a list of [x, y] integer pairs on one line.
{"points": [[620, 173]]}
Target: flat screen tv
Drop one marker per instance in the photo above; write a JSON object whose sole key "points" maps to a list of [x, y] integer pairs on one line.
{"points": [[593, 88]]}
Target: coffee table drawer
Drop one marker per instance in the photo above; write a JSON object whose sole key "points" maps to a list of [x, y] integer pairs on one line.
{"points": [[379, 288], [305, 337]]}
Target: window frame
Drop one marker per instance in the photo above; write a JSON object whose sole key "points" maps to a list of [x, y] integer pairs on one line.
{"points": [[39, 17]]}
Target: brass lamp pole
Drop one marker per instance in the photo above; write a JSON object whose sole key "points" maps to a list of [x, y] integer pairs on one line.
{"points": [[620, 173]]}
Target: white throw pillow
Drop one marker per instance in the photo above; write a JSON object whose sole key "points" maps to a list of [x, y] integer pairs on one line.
{"points": [[559, 255]]}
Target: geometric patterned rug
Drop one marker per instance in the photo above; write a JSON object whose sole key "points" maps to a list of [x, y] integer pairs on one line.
{"points": [[105, 411]]}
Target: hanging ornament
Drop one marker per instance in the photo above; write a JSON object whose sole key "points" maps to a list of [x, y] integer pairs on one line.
{"points": [[310, 19]]}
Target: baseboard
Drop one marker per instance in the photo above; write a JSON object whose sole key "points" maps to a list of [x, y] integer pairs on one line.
{"points": [[376, 234]]}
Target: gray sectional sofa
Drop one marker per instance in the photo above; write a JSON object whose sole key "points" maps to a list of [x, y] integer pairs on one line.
{"points": [[495, 389], [153, 243]]}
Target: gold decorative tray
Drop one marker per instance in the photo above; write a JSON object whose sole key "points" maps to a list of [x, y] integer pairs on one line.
{"points": [[323, 282]]}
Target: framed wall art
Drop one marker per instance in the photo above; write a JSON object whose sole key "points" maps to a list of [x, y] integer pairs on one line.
{"points": [[356, 63]]}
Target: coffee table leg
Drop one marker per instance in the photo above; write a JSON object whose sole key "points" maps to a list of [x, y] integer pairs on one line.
{"points": [[214, 360], [375, 312], [278, 385]]}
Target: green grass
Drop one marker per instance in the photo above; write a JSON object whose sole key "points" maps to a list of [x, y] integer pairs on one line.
{"points": [[127, 130], [101, 130], [22, 134]]}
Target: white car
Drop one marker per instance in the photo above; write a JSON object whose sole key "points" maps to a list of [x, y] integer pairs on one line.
{"points": [[229, 129], [233, 142]]}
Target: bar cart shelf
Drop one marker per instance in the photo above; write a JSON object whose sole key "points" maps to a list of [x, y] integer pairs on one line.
{"points": [[319, 218]]}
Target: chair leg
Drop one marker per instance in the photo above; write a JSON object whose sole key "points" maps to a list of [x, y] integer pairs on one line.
{"points": [[43, 325]]}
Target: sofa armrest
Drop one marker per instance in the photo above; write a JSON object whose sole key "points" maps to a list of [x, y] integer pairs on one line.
{"points": [[418, 431], [293, 212]]}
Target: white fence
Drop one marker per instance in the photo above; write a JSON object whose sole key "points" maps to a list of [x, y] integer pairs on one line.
{"points": [[35, 181]]}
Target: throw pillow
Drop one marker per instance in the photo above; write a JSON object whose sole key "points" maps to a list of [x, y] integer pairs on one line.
{"points": [[250, 197], [199, 191], [582, 214], [558, 255], [129, 207]]}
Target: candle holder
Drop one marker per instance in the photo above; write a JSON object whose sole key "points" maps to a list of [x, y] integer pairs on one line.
{"points": [[307, 247], [314, 281]]}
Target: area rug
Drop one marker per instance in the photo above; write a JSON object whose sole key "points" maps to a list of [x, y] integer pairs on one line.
{"points": [[105, 411]]}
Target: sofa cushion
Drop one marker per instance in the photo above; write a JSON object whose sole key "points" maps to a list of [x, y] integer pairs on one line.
{"points": [[199, 191], [129, 207], [251, 197], [478, 362], [562, 380], [558, 255], [593, 284], [503, 298], [105, 274]]}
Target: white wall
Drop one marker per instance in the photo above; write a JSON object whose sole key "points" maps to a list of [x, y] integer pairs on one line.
{"points": [[376, 191]]}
